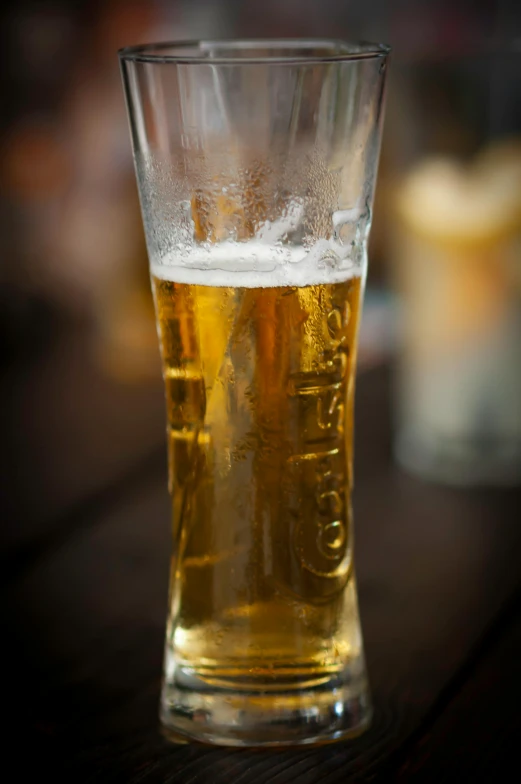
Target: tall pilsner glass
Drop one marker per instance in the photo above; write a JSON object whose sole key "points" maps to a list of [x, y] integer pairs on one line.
{"points": [[256, 164]]}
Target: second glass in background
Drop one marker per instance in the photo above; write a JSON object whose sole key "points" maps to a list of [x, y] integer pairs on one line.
{"points": [[454, 218]]}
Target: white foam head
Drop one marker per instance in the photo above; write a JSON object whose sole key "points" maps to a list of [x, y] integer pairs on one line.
{"points": [[256, 265]]}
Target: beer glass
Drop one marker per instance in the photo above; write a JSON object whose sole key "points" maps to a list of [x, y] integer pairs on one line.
{"points": [[256, 165], [454, 243]]}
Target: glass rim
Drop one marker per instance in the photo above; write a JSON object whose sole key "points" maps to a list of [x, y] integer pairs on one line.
{"points": [[177, 52]]}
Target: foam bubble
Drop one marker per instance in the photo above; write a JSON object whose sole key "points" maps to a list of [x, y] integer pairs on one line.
{"points": [[254, 265]]}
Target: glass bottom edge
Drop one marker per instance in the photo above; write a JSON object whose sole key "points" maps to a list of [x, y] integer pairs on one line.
{"points": [[231, 718]]}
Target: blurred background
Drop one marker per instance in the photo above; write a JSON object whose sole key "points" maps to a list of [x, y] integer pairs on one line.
{"points": [[444, 288]]}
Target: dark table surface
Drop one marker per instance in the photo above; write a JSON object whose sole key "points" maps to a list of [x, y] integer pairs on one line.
{"points": [[85, 549]]}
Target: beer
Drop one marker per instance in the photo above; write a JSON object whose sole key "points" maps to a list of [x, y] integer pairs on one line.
{"points": [[259, 389]]}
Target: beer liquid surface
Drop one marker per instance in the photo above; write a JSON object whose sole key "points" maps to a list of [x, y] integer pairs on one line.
{"points": [[259, 390]]}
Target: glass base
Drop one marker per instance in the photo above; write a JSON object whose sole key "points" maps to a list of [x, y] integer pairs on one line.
{"points": [[278, 715], [459, 461]]}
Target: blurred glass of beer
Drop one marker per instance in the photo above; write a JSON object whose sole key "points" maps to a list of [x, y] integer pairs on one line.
{"points": [[256, 164]]}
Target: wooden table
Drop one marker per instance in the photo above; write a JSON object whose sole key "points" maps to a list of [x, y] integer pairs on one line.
{"points": [[85, 547]]}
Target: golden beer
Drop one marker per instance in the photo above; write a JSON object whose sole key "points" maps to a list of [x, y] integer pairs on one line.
{"points": [[259, 390]]}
